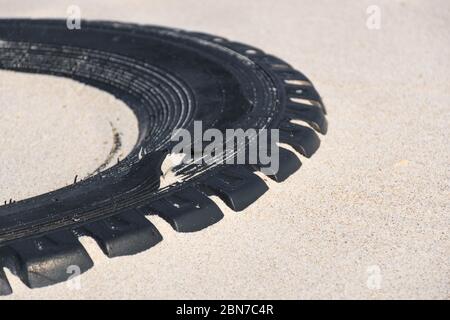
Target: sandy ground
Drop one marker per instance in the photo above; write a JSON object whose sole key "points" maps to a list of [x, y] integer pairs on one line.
{"points": [[43, 119], [367, 217]]}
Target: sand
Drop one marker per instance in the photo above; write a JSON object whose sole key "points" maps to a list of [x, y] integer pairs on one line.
{"points": [[44, 119], [367, 217]]}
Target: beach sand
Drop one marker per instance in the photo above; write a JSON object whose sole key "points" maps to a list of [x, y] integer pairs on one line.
{"points": [[367, 217]]}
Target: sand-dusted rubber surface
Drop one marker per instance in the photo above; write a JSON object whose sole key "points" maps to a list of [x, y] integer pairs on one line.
{"points": [[374, 200]]}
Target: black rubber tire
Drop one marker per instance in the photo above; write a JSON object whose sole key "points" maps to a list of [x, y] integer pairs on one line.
{"points": [[169, 78]]}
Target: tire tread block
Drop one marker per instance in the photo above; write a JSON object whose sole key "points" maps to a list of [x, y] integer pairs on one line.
{"points": [[289, 163], [237, 186], [302, 139], [313, 115], [124, 234], [5, 287], [188, 210], [44, 261], [305, 92]]}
